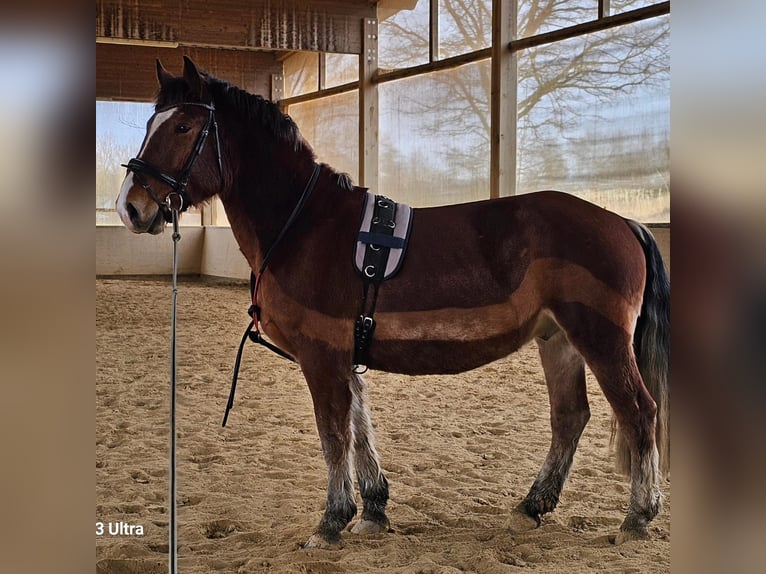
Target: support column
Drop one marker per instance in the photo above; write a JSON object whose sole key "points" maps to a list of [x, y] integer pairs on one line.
{"points": [[503, 100], [277, 87], [368, 106]]}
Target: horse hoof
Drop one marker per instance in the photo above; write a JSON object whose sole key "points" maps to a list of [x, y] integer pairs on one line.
{"points": [[369, 527], [631, 534], [316, 541], [521, 522]]}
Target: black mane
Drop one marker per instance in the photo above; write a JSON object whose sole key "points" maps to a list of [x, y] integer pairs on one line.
{"points": [[250, 107]]}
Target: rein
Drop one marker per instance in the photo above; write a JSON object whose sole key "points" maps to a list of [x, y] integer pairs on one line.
{"points": [[255, 282]]}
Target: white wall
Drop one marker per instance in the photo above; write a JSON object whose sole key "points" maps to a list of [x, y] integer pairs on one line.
{"points": [[221, 256], [207, 250], [121, 252]]}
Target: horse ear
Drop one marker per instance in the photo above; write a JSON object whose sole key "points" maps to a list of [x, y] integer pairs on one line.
{"points": [[163, 76], [193, 78]]}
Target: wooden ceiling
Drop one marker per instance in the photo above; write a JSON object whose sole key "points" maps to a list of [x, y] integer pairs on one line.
{"points": [[237, 40]]}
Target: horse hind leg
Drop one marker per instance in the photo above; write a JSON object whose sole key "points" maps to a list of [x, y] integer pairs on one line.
{"points": [[373, 485], [608, 351], [565, 378], [636, 414]]}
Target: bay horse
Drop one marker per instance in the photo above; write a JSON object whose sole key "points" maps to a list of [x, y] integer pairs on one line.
{"points": [[479, 280]]}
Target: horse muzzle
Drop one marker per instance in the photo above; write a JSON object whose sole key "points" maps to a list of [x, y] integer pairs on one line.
{"points": [[139, 216]]}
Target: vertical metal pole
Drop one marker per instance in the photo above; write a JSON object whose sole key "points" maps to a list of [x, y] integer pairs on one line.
{"points": [[173, 527]]}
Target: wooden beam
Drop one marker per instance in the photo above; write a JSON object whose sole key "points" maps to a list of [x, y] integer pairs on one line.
{"points": [[319, 25], [438, 66], [503, 101], [368, 105], [326, 93], [127, 73], [593, 26]]}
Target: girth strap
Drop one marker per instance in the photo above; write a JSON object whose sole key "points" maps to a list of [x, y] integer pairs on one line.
{"points": [[385, 228]]}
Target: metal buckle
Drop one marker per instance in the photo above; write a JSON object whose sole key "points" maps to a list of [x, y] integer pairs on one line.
{"points": [[169, 201], [369, 273]]}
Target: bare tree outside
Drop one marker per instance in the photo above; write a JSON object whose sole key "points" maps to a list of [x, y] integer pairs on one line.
{"points": [[592, 110]]}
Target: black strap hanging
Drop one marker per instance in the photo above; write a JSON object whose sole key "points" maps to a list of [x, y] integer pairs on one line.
{"points": [[253, 331], [379, 242]]}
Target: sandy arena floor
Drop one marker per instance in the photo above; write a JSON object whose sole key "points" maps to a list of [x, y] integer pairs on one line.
{"points": [[459, 452]]}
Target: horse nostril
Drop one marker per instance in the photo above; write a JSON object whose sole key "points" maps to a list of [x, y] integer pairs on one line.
{"points": [[132, 213]]}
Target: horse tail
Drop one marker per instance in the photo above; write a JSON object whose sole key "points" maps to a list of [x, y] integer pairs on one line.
{"points": [[651, 344]]}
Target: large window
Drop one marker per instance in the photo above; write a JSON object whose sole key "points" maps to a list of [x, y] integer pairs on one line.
{"points": [[594, 119], [434, 136], [331, 126], [464, 26], [404, 36]]}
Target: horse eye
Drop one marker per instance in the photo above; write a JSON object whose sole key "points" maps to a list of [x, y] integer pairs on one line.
{"points": [[182, 129]]}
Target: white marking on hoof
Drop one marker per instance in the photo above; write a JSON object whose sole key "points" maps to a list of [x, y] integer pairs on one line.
{"points": [[317, 541], [521, 522], [368, 527]]}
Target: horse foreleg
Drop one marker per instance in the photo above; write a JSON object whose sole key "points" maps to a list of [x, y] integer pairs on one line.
{"points": [[373, 485], [332, 398], [565, 377]]}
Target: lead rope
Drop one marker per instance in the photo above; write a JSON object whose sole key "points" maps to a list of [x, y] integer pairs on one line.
{"points": [[173, 527]]}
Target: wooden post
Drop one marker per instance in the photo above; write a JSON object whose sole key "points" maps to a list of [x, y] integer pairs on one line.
{"points": [[368, 106], [322, 71], [277, 87], [207, 213], [604, 9], [503, 100]]}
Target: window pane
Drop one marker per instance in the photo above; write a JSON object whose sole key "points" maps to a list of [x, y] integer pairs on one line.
{"points": [[331, 126], [341, 69], [464, 26], [594, 119], [301, 73], [403, 34], [540, 16], [434, 137], [120, 130]]}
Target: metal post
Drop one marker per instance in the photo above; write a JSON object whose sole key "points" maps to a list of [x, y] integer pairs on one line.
{"points": [[173, 526]]}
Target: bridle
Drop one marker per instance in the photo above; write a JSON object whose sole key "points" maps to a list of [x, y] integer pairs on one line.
{"points": [[177, 199]]}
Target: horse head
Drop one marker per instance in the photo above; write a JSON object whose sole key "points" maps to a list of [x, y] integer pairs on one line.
{"points": [[179, 163]]}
